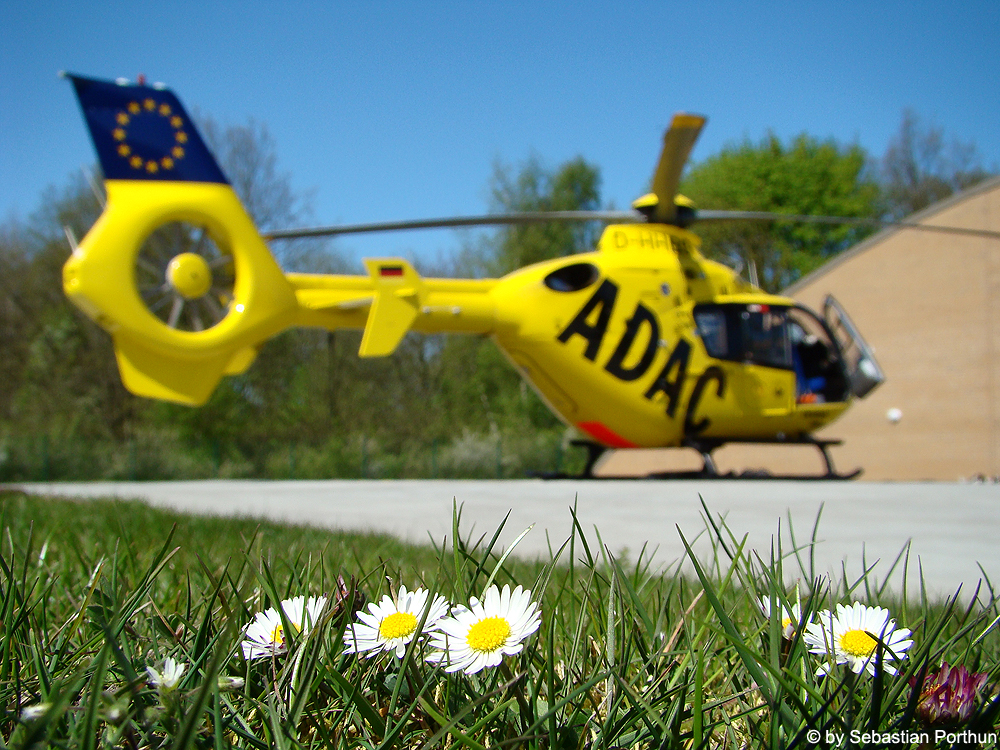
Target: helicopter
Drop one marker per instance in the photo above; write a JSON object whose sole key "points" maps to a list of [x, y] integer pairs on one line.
{"points": [[641, 343]]}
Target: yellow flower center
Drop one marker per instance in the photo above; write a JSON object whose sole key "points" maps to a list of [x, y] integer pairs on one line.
{"points": [[858, 643], [488, 634], [397, 625], [278, 634], [786, 622]]}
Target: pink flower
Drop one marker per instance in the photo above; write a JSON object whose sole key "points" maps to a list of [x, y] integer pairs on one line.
{"points": [[949, 695]]}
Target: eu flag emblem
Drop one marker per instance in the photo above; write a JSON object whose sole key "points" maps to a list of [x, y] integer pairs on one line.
{"points": [[143, 133]]}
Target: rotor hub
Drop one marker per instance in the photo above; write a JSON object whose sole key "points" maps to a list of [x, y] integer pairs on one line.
{"points": [[189, 275]]}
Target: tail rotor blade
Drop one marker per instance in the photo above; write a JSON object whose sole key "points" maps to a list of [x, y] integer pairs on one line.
{"points": [[175, 311]]}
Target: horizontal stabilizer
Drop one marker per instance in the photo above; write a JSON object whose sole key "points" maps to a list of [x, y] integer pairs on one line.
{"points": [[398, 293]]}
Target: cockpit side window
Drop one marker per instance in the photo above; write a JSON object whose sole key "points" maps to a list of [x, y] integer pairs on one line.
{"points": [[712, 327], [746, 333], [765, 336]]}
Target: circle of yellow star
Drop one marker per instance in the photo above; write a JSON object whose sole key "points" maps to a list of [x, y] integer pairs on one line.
{"points": [[120, 134]]}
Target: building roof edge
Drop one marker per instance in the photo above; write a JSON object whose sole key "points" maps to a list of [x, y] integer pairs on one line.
{"points": [[985, 186]]}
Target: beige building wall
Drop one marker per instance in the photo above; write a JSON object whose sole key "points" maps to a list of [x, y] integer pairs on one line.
{"points": [[929, 304]]}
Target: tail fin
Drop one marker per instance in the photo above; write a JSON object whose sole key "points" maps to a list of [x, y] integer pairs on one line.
{"points": [[144, 133], [221, 304]]}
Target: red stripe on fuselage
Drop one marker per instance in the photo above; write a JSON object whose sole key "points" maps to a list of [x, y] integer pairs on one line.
{"points": [[605, 435]]}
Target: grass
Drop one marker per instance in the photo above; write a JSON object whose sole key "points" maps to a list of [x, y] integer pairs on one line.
{"points": [[93, 593], [162, 454]]}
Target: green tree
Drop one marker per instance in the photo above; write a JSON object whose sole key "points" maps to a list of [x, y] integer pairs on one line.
{"points": [[575, 185], [470, 388], [919, 168], [807, 176], [59, 372], [15, 310]]}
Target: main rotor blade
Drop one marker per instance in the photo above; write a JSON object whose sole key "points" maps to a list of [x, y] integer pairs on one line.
{"points": [[806, 219], [525, 217], [677, 144], [618, 217]]}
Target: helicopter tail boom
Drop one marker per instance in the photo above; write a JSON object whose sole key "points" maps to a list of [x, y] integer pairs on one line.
{"points": [[392, 300], [161, 357]]}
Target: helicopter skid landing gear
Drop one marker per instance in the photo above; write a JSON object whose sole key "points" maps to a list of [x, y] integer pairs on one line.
{"points": [[831, 473], [709, 468]]}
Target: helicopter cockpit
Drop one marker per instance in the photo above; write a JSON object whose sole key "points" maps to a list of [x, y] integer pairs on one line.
{"points": [[785, 337]]}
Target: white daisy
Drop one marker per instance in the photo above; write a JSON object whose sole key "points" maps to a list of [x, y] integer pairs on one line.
{"points": [[791, 616], [391, 624], [847, 637], [481, 635], [171, 675], [265, 635], [36, 711]]}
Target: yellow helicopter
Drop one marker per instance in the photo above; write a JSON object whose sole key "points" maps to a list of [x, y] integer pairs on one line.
{"points": [[641, 343]]}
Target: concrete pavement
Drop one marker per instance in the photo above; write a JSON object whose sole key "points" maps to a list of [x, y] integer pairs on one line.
{"points": [[951, 528]]}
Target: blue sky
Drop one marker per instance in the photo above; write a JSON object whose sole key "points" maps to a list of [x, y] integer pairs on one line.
{"points": [[398, 110]]}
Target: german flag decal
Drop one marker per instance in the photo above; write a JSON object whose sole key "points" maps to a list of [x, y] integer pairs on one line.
{"points": [[390, 271]]}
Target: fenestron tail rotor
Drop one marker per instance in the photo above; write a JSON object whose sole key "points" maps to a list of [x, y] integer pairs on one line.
{"points": [[184, 278]]}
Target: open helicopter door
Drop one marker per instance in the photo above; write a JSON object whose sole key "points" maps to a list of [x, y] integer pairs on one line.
{"points": [[859, 358]]}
